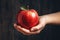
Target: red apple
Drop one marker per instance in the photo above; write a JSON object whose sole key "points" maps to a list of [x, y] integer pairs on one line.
{"points": [[27, 18]]}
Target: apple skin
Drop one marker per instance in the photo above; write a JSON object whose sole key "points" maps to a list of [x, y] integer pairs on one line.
{"points": [[27, 18]]}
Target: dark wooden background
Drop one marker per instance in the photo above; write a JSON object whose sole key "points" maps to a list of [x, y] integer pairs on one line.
{"points": [[9, 9]]}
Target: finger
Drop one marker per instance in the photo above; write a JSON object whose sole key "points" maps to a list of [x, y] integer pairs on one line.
{"points": [[36, 27], [38, 31], [22, 30], [25, 31]]}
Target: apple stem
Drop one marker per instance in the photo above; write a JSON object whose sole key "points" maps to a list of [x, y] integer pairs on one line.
{"points": [[28, 7]]}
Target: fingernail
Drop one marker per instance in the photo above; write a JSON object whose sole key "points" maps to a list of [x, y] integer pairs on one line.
{"points": [[14, 24], [31, 29]]}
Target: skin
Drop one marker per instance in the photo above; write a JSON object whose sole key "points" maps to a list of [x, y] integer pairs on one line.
{"points": [[53, 18]]}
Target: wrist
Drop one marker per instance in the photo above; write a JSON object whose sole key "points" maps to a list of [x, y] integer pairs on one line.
{"points": [[43, 19], [47, 19]]}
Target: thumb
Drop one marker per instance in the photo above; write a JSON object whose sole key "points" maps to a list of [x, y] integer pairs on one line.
{"points": [[36, 28]]}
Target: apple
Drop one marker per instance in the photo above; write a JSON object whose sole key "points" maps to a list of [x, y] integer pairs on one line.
{"points": [[27, 18]]}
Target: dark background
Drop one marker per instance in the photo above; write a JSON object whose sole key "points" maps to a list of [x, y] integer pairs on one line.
{"points": [[9, 9]]}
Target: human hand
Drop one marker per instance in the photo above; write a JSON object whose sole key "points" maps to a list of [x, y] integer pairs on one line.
{"points": [[43, 20], [23, 30], [35, 30], [41, 25]]}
